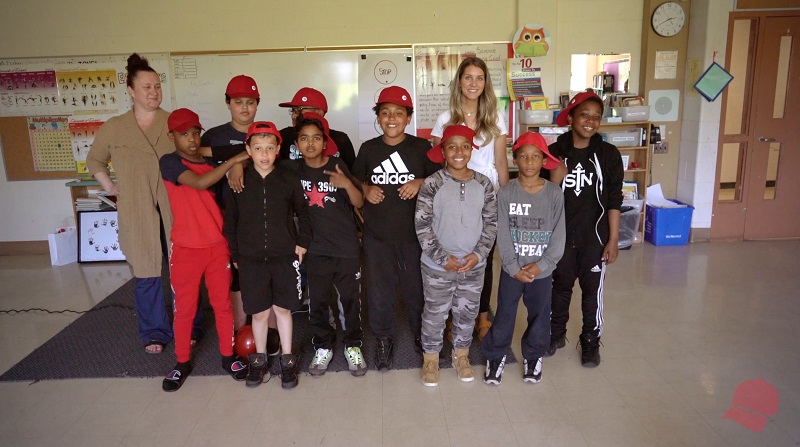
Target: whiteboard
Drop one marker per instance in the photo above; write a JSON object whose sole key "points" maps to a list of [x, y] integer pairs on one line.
{"points": [[199, 83]]}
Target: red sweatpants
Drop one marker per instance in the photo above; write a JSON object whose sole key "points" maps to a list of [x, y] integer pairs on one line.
{"points": [[187, 266]]}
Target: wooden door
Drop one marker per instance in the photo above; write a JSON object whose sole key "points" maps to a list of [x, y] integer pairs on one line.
{"points": [[757, 192]]}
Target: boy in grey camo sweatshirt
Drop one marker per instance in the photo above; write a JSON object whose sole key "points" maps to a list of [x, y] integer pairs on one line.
{"points": [[456, 224]]}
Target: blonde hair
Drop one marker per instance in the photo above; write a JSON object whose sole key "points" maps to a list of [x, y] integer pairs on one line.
{"points": [[486, 117]]}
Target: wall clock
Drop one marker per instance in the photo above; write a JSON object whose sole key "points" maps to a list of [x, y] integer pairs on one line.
{"points": [[668, 19]]}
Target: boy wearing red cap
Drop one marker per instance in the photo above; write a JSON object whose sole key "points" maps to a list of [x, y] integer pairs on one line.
{"points": [[456, 224], [392, 168], [268, 248], [311, 100], [334, 256], [530, 239], [592, 185], [198, 247]]}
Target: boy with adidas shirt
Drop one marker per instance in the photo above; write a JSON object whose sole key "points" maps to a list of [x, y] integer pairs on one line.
{"points": [[333, 258], [392, 168], [530, 239]]}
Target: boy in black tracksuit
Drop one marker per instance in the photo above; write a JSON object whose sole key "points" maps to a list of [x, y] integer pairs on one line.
{"points": [[592, 185]]}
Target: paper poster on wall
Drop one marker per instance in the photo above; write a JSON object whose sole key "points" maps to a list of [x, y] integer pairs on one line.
{"points": [[98, 237], [435, 67], [50, 143], [29, 93], [89, 91], [524, 78], [531, 40], [82, 131], [666, 65], [376, 72]]}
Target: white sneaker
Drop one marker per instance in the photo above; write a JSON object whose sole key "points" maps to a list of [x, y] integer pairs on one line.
{"points": [[355, 361], [322, 358]]}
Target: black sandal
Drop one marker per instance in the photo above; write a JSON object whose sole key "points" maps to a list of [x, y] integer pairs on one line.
{"points": [[176, 377]]}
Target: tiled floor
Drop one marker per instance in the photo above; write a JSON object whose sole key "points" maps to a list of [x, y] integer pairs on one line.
{"points": [[684, 327]]}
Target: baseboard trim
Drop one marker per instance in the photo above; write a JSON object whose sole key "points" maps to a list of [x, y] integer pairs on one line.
{"points": [[700, 235], [24, 248]]}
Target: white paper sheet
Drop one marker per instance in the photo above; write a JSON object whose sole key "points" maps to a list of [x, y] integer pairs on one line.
{"points": [[655, 198]]}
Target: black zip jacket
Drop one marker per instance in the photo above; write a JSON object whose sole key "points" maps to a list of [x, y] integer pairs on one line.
{"points": [[259, 221]]}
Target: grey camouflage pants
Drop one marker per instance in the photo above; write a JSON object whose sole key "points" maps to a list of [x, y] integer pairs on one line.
{"points": [[446, 291]]}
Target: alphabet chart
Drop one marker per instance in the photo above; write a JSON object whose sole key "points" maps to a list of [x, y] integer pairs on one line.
{"points": [[50, 143]]}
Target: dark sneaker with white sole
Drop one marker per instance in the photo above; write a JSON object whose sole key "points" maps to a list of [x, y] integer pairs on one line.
{"points": [[494, 371], [532, 370], [256, 370], [288, 371]]}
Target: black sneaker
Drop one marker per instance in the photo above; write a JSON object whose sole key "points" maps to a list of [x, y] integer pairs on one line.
{"points": [[235, 367], [556, 343], [590, 350], [288, 371], [383, 353], [532, 370], [494, 371], [256, 370], [176, 377], [273, 342]]}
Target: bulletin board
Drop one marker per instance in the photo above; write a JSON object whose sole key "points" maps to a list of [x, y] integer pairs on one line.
{"points": [[46, 105]]}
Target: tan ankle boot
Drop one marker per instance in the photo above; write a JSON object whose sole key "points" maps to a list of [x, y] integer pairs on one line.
{"points": [[430, 369], [462, 366]]}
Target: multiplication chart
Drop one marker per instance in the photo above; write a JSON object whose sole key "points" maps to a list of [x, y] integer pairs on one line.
{"points": [[51, 143]]}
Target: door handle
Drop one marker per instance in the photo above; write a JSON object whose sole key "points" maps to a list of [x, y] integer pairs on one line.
{"points": [[766, 140]]}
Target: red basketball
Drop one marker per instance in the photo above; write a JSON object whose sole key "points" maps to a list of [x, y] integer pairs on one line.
{"points": [[244, 343]]}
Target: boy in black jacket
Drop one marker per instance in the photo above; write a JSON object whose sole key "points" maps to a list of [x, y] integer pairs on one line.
{"points": [[267, 248], [592, 185]]}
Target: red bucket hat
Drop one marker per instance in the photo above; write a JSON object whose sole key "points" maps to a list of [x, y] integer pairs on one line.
{"points": [[183, 120], [260, 127], [330, 145], [536, 139], [307, 97], [436, 155], [242, 87], [576, 100]]}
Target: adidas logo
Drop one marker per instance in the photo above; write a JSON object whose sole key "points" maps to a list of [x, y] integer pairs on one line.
{"points": [[391, 172], [596, 269]]}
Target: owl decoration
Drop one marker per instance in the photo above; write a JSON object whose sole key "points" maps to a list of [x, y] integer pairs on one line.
{"points": [[531, 41]]}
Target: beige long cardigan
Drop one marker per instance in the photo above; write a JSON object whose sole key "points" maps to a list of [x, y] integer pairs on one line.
{"points": [[134, 154]]}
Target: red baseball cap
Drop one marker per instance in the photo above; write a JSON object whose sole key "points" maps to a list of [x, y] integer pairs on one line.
{"points": [[395, 95], [436, 155], [307, 97], [576, 100], [242, 87], [536, 139], [260, 127], [330, 145], [183, 120]]}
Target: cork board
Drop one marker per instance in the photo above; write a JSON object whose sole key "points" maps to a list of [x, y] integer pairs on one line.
{"points": [[17, 154]]}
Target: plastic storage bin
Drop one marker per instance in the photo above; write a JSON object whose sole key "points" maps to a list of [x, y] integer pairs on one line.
{"points": [[629, 218], [536, 116], [668, 226], [624, 138], [634, 113]]}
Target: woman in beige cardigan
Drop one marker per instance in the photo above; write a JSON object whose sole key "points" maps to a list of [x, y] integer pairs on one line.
{"points": [[134, 142]]}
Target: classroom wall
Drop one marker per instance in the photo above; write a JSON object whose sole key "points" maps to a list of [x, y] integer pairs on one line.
{"points": [[32, 209]]}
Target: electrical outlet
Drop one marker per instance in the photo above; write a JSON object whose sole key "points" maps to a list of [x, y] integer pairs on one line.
{"points": [[661, 148]]}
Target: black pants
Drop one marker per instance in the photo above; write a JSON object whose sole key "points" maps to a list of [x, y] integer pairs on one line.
{"points": [[325, 273], [586, 265], [536, 338], [390, 266]]}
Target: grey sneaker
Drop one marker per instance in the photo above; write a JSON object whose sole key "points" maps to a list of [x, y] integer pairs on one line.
{"points": [[355, 361], [322, 358]]}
